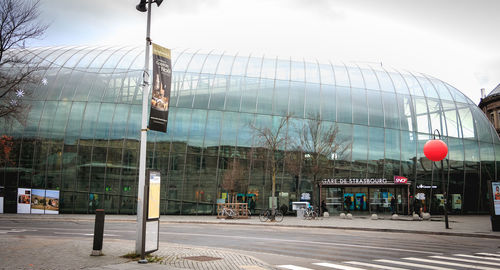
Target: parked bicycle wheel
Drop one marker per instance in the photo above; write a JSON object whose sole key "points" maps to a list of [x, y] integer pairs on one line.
{"points": [[264, 216], [278, 216]]}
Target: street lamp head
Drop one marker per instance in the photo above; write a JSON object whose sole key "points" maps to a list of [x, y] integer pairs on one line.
{"points": [[158, 2], [142, 6]]}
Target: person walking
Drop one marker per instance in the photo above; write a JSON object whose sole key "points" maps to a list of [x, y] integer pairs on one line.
{"points": [[348, 203], [393, 205], [323, 207]]}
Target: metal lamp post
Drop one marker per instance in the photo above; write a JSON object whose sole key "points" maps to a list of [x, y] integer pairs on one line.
{"points": [[436, 150], [145, 102]]}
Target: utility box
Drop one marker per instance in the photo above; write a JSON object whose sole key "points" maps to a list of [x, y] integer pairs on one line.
{"points": [[300, 207]]}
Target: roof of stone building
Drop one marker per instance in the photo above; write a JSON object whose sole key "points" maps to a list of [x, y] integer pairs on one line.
{"points": [[494, 92]]}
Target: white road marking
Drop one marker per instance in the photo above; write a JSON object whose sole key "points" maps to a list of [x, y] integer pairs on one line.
{"points": [[489, 254], [293, 267], [15, 231], [464, 260], [419, 266], [86, 234], [338, 266], [477, 257], [468, 266], [376, 266], [301, 241]]}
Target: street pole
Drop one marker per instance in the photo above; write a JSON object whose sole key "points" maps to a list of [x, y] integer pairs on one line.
{"points": [[144, 138], [443, 186]]}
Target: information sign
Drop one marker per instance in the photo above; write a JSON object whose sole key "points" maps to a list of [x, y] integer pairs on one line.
{"points": [[495, 187], [154, 195]]}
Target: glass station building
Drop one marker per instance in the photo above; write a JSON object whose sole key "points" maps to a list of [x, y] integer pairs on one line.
{"points": [[82, 130]]}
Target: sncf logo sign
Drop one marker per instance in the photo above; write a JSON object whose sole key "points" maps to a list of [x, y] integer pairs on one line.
{"points": [[400, 180]]}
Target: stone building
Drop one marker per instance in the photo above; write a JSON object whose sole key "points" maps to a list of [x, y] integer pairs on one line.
{"points": [[490, 105]]}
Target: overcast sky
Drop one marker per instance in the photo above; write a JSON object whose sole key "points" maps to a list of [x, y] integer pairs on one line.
{"points": [[457, 41]]}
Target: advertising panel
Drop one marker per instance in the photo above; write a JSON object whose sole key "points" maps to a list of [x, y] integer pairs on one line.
{"points": [[154, 195], [400, 180], [23, 200], [2, 194], [52, 202], [162, 79], [38, 201], [495, 187]]}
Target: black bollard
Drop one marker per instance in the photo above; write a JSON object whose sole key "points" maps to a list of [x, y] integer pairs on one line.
{"points": [[98, 232]]}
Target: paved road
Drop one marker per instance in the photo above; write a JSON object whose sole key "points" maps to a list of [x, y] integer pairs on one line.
{"points": [[289, 248]]}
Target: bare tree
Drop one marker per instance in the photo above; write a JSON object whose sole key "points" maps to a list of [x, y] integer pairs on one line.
{"points": [[18, 23], [320, 146], [273, 140], [234, 178]]}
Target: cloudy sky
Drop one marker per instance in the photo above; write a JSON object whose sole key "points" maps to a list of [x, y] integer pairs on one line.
{"points": [[456, 41]]}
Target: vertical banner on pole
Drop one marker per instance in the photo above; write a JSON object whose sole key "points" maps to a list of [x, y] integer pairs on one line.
{"points": [[162, 79]]}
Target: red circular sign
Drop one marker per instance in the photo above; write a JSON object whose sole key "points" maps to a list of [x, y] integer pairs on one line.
{"points": [[435, 150]]}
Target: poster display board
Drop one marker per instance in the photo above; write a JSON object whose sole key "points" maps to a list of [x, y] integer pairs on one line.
{"points": [[52, 202], [37, 201], [2, 195], [23, 200], [154, 195], [495, 187]]}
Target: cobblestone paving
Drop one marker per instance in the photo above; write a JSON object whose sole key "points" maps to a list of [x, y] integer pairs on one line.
{"points": [[34, 252]]}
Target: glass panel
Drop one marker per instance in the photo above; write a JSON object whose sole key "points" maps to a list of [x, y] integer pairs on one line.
{"points": [[391, 112], [210, 64], [428, 88], [249, 92], [240, 66], [281, 97], [422, 118], [297, 98], [341, 76], [356, 78], [326, 73], [406, 112], [268, 68], [196, 63], [233, 96], [435, 116], [197, 131], [328, 105], [344, 108], [200, 89], [313, 99], [450, 113], [399, 83], [375, 152], [360, 148], [359, 105], [104, 122], [457, 95], [254, 67], [482, 124], [283, 70], [218, 92], [408, 155], [466, 120], [225, 64], [298, 72], [265, 95], [392, 153], [312, 73], [385, 81], [375, 109], [212, 133], [370, 79]]}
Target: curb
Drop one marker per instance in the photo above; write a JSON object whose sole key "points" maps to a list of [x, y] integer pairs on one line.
{"points": [[477, 235]]}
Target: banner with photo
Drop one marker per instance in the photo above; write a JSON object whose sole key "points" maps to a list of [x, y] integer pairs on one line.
{"points": [[52, 202], [38, 201], [496, 197], [162, 79], [23, 200]]}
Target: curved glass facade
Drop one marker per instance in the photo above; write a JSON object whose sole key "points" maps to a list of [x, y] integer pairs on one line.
{"points": [[82, 128]]}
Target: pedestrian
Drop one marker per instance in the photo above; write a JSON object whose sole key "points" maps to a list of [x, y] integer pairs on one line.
{"points": [[323, 207], [393, 205], [348, 203]]}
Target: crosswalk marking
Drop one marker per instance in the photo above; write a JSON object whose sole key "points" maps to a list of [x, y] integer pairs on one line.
{"points": [[377, 266], [477, 257], [338, 266], [419, 266], [489, 254], [468, 266], [293, 267], [464, 260]]}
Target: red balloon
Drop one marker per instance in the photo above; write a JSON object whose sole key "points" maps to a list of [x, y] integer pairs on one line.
{"points": [[435, 150]]}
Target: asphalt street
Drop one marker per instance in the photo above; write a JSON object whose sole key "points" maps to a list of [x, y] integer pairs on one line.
{"points": [[279, 246]]}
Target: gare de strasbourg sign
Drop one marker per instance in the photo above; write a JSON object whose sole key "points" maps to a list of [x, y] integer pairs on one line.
{"points": [[364, 181]]}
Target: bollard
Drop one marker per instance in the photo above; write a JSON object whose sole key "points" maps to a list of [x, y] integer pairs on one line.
{"points": [[98, 232]]}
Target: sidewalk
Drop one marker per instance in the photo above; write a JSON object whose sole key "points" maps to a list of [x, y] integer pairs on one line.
{"points": [[31, 252]]}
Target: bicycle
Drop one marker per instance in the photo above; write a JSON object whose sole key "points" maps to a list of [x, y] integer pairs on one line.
{"points": [[310, 213], [268, 215], [228, 213]]}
